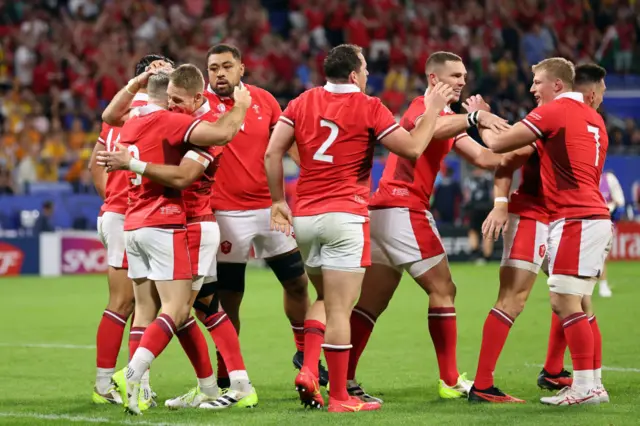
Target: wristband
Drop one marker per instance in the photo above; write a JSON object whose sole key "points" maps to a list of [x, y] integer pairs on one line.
{"points": [[132, 81], [472, 119], [501, 200], [137, 166]]}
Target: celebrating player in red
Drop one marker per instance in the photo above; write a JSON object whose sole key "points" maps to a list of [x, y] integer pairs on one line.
{"points": [[336, 127], [241, 204], [572, 142], [195, 175], [403, 232], [113, 188], [155, 234]]}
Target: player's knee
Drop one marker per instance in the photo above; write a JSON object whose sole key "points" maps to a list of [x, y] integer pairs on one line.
{"points": [[123, 306], [296, 288], [231, 277], [289, 269], [513, 306], [443, 290]]}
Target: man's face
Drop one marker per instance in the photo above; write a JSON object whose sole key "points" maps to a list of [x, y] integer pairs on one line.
{"points": [[545, 87], [181, 101], [359, 78], [225, 73], [453, 73]]}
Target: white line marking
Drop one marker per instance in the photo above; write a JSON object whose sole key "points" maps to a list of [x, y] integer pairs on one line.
{"points": [[604, 368], [84, 419], [46, 345]]}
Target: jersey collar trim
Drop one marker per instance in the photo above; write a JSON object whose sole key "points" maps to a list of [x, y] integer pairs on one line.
{"points": [[222, 98], [148, 109], [447, 109], [205, 108], [341, 88], [576, 96]]}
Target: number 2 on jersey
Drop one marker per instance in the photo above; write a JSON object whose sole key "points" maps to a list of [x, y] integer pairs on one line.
{"points": [[320, 153], [596, 136], [136, 154]]}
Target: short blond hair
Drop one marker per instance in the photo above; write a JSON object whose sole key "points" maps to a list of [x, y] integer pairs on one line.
{"points": [[559, 68], [188, 77]]}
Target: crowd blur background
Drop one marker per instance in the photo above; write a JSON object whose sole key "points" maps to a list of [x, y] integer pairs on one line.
{"points": [[61, 61]]}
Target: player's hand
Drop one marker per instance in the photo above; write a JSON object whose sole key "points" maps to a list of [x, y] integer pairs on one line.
{"points": [[496, 221], [476, 103], [154, 68], [116, 160], [492, 122], [439, 97], [281, 219], [242, 97]]}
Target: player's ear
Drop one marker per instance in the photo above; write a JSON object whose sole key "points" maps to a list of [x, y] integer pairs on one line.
{"points": [[241, 69], [433, 79]]}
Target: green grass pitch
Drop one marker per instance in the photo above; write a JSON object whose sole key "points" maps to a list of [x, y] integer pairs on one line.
{"points": [[47, 358]]}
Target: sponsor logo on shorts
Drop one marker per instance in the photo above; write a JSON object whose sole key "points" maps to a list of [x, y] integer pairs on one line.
{"points": [[225, 247], [81, 255], [11, 258]]}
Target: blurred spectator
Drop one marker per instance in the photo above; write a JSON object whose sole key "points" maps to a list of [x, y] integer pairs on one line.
{"points": [[44, 222], [447, 198], [6, 182], [61, 62], [478, 198]]}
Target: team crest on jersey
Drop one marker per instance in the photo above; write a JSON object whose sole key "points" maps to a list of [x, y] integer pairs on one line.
{"points": [[542, 250], [222, 108], [225, 247]]}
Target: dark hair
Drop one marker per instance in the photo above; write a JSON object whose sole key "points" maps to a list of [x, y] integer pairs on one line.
{"points": [[589, 73], [440, 58], [224, 48], [47, 204], [341, 61], [142, 65]]}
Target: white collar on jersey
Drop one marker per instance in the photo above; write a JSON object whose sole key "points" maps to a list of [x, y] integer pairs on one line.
{"points": [[446, 109], [205, 108], [210, 90], [141, 97], [341, 88], [147, 109], [576, 96]]}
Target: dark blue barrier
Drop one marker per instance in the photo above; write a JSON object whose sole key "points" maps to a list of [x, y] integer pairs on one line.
{"points": [[19, 256]]}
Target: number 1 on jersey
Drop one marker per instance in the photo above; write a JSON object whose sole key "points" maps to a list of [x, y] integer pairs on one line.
{"points": [[320, 153], [596, 136], [136, 154]]}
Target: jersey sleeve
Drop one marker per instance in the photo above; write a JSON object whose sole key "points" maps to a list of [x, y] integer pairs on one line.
{"points": [[544, 119], [413, 113], [199, 156], [383, 120], [104, 134], [276, 111], [290, 113], [178, 127]]}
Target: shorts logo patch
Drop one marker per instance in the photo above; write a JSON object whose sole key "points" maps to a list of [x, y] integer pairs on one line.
{"points": [[542, 250], [225, 247]]}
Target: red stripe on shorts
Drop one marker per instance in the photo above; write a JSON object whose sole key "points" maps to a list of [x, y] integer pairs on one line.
{"points": [[366, 247], [524, 242], [567, 260], [194, 237], [181, 262], [428, 242]]}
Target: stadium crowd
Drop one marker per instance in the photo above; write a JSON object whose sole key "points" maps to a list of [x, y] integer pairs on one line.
{"points": [[61, 61]]}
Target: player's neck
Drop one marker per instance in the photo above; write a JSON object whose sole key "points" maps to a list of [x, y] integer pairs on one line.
{"points": [[162, 103]]}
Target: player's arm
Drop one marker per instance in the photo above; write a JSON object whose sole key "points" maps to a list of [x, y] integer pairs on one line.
{"points": [[226, 127], [115, 114], [98, 174], [516, 137], [498, 218], [476, 154], [478, 114], [280, 143], [617, 195], [191, 167], [411, 145]]}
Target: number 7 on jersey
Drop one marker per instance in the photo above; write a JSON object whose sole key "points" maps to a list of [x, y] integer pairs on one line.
{"points": [[596, 136], [333, 135]]}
